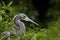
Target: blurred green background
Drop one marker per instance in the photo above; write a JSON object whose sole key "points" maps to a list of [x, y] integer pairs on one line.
{"points": [[9, 8]]}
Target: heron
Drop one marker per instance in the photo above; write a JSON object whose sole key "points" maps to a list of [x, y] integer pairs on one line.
{"points": [[21, 26]]}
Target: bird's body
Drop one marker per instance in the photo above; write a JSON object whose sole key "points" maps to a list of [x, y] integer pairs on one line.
{"points": [[21, 25]]}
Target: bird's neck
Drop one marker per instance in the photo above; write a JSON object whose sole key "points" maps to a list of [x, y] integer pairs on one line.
{"points": [[17, 22], [20, 25]]}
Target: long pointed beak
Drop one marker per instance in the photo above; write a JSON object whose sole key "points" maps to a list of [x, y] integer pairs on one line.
{"points": [[27, 19]]}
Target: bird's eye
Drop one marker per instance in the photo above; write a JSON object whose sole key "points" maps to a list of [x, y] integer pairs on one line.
{"points": [[24, 16]]}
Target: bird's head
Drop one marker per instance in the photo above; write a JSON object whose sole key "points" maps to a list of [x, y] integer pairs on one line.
{"points": [[26, 18], [23, 16]]}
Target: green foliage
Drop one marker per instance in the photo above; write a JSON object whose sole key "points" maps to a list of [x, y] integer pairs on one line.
{"points": [[7, 13]]}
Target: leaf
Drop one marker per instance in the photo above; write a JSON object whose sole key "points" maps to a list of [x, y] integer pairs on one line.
{"points": [[3, 3], [0, 18], [10, 4]]}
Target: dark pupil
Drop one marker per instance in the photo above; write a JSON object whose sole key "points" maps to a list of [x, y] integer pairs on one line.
{"points": [[24, 16]]}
